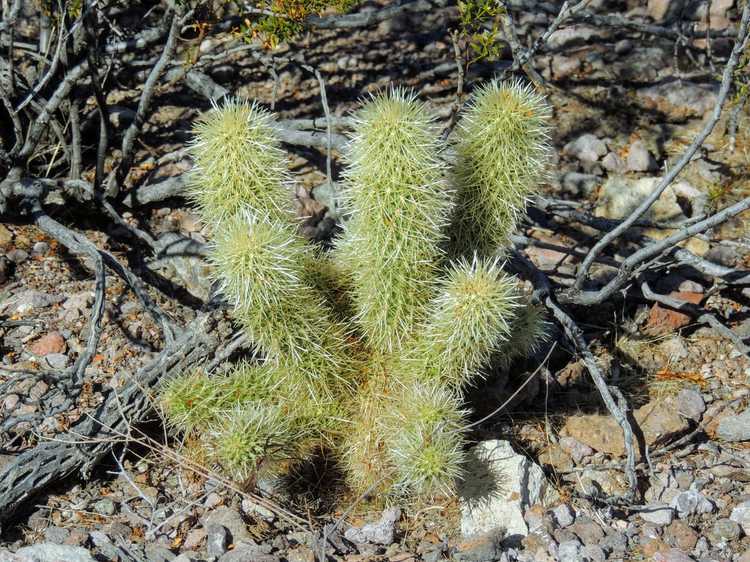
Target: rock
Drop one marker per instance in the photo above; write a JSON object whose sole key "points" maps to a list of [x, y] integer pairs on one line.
{"points": [[587, 530], [563, 67], [672, 555], [26, 301], [657, 514], [615, 544], [741, 515], [6, 236], [593, 553], [734, 427], [658, 419], [577, 34], [120, 116], [498, 489], [679, 100], [723, 531], [17, 256], [577, 450], [256, 510], [49, 343], [300, 554], [662, 320], [690, 404], [691, 502], [613, 163], [674, 349], [661, 10], [380, 532], [231, 520], [594, 481], [639, 158], [46, 552], [581, 185], [217, 540], [680, 535], [56, 535], [56, 361], [569, 550], [587, 148], [40, 248], [563, 515], [180, 259], [479, 548], [105, 507], [194, 538], [620, 196]]}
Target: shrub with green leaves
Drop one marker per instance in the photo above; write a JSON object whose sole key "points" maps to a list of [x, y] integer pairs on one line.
{"points": [[365, 352]]}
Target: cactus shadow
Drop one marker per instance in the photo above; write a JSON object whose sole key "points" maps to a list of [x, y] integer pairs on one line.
{"points": [[482, 482]]}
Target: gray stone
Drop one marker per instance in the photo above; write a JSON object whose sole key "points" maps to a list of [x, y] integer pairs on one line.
{"points": [[615, 544], [658, 514], [679, 100], [498, 489], [17, 256], [26, 301], [57, 361], [587, 530], [639, 158], [593, 553], [40, 248], [56, 535], [741, 515], [380, 532], [672, 555], [735, 428], [570, 550], [229, 518], [563, 515], [217, 539], [158, 553], [577, 450], [105, 507], [620, 196], [690, 404], [724, 530], [479, 548], [613, 163], [691, 502], [578, 184], [587, 148], [46, 552], [256, 510]]}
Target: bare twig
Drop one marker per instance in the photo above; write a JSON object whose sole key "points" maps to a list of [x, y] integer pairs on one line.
{"points": [[641, 210]]}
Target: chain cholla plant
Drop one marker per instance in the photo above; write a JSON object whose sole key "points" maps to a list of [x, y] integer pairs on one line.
{"points": [[366, 350]]}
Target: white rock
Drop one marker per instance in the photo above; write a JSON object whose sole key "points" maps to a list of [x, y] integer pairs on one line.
{"points": [[691, 502], [657, 514], [380, 532], [741, 515], [53, 553], [500, 487], [587, 148], [639, 158]]}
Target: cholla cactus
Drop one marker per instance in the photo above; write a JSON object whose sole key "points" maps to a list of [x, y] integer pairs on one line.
{"points": [[365, 352]]}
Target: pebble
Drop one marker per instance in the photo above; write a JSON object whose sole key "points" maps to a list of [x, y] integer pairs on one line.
{"points": [[232, 520], [639, 158], [563, 515], [587, 148], [26, 301], [691, 502], [17, 256], [658, 514], [479, 549], [380, 532], [569, 550], [105, 507], [57, 361], [741, 515], [615, 544], [217, 540], [724, 530], [56, 535], [679, 534], [690, 404], [577, 450], [593, 553], [254, 509], [52, 342], [194, 538], [587, 530], [734, 428], [40, 248], [302, 554], [47, 552]]}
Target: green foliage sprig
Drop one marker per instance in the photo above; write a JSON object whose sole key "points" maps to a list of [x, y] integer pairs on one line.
{"points": [[365, 352]]}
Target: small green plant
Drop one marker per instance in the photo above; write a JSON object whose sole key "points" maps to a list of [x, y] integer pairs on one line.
{"points": [[366, 351]]}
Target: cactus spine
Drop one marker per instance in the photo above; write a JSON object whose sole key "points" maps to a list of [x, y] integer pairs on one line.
{"points": [[373, 365]]}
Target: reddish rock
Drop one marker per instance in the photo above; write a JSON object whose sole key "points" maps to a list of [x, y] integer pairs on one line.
{"points": [[51, 343], [664, 320]]}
